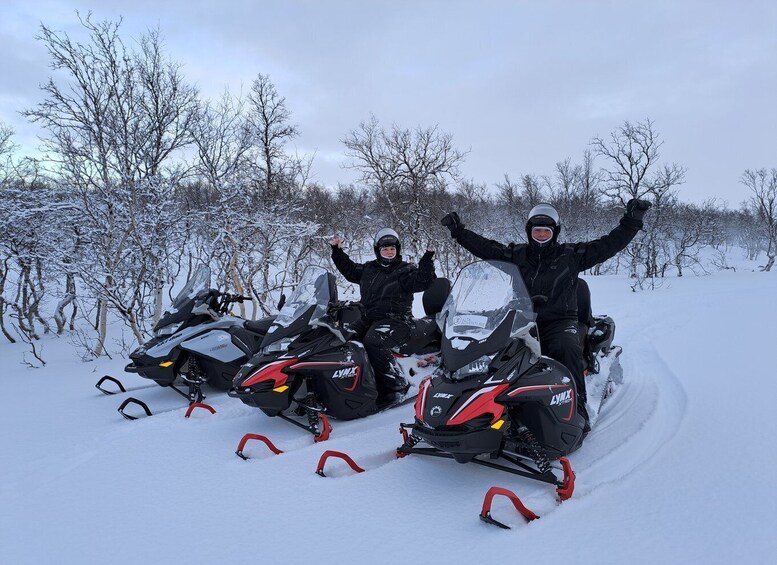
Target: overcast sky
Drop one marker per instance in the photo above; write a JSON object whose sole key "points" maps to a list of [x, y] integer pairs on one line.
{"points": [[521, 85]]}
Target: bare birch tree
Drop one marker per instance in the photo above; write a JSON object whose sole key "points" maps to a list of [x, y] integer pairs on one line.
{"points": [[112, 122], [406, 169], [763, 186]]}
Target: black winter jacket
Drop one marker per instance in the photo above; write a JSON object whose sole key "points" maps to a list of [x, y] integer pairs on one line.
{"points": [[386, 291], [552, 270]]}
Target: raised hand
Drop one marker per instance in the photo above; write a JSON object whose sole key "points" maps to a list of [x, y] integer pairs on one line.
{"points": [[636, 208], [452, 221]]}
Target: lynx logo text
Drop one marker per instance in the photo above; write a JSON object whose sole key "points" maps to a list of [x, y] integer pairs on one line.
{"points": [[561, 398], [346, 373]]}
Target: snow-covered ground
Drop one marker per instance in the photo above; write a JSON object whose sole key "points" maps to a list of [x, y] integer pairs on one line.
{"points": [[678, 468]]}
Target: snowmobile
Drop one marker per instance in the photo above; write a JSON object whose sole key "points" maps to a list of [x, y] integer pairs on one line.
{"points": [[197, 342], [496, 400], [311, 368]]}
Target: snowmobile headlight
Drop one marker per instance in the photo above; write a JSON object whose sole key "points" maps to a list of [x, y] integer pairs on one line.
{"points": [[476, 367], [168, 330], [280, 345]]}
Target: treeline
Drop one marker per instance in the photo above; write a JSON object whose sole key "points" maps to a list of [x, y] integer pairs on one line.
{"points": [[142, 179]]}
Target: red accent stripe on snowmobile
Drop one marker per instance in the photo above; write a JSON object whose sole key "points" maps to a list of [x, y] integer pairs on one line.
{"points": [[322, 364], [485, 512], [481, 402], [339, 454], [518, 391], [272, 371], [355, 379]]}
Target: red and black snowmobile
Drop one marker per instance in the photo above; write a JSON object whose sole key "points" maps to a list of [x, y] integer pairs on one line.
{"points": [[495, 400], [310, 368]]}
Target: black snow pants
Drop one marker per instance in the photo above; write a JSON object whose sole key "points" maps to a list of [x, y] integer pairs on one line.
{"points": [[379, 338], [560, 340]]}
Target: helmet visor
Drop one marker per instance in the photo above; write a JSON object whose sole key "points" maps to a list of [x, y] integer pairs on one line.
{"points": [[541, 234]]}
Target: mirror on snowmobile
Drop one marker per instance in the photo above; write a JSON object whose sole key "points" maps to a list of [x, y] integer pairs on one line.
{"points": [[282, 301]]}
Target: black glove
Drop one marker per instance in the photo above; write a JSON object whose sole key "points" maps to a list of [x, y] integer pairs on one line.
{"points": [[428, 255], [635, 209], [453, 223]]}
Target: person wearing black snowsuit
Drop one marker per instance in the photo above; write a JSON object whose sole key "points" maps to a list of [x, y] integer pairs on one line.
{"points": [[386, 285], [550, 271]]}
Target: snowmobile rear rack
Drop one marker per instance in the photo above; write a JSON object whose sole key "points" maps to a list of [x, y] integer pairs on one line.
{"points": [[270, 445], [485, 513], [340, 455]]}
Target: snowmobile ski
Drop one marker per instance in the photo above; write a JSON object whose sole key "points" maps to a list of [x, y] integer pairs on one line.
{"points": [[339, 455], [485, 512], [118, 383], [246, 438], [194, 396]]}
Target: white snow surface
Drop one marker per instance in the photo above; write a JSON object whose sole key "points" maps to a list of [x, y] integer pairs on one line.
{"points": [[678, 468]]}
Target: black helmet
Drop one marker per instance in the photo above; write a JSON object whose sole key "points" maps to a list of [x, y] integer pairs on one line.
{"points": [[384, 238], [543, 215]]}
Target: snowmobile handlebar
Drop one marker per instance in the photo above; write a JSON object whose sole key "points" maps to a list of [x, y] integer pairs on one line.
{"points": [[235, 297]]}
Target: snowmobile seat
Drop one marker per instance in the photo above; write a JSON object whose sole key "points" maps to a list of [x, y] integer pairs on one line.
{"points": [[424, 339], [435, 296]]}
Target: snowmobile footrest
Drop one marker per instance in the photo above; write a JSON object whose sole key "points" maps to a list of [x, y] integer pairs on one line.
{"points": [[194, 405], [565, 491], [270, 445], [345, 457], [117, 382], [485, 513], [129, 401]]}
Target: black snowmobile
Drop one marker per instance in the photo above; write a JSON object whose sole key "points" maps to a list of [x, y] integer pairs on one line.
{"points": [[310, 367], [197, 342], [495, 397]]}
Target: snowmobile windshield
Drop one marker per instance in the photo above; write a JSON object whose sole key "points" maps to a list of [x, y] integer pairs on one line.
{"points": [[308, 303], [487, 305], [199, 282]]}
